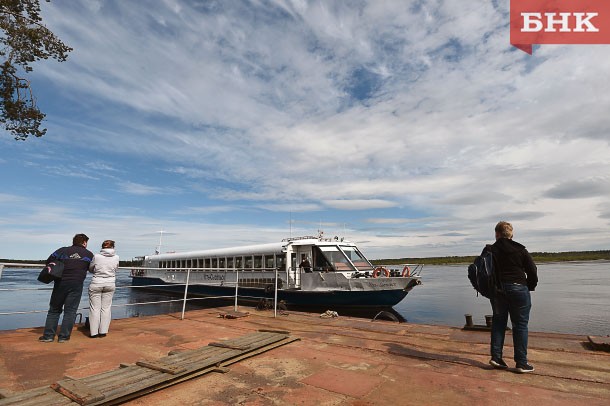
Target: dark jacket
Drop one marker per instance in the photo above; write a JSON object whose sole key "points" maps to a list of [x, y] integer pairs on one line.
{"points": [[76, 262], [514, 264]]}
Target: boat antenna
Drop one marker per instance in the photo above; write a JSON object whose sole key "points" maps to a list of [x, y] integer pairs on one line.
{"points": [[158, 249]]}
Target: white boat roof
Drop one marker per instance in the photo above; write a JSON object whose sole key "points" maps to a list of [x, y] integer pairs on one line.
{"points": [[258, 249]]}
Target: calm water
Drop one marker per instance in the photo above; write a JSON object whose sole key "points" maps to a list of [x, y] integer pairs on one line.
{"points": [[571, 298]]}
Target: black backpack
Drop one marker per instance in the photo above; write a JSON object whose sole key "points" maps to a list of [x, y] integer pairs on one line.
{"points": [[481, 274]]}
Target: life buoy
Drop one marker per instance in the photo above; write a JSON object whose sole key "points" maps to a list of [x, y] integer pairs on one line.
{"points": [[406, 271], [379, 270]]}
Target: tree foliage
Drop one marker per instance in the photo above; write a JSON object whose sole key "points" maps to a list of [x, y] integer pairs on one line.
{"points": [[23, 40]]}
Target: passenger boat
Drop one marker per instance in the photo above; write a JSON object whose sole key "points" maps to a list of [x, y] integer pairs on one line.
{"points": [[307, 272]]}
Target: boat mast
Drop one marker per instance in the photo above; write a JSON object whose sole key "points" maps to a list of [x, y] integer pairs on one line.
{"points": [[158, 249]]}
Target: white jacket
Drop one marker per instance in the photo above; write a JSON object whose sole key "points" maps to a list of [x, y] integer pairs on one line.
{"points": [[104, 267]]}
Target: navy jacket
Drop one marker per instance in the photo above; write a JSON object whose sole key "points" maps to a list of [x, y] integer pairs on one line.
{"points": [[76, 262], [514, 264]]}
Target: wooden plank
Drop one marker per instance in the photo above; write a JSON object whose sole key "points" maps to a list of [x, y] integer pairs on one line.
{"points": [[231, 346], [131, 381], [261, 350], [275, 331], [77, 391], [161, 366], [123, 374], [35, 397], [163, 385], [133, 376]]}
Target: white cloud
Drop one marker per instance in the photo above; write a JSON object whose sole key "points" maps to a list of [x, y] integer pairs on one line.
{"points": [[420, 110], [145, 190]]}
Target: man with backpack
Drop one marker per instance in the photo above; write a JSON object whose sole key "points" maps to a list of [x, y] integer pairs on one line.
{"points": [[67, 291], [516, 276]]}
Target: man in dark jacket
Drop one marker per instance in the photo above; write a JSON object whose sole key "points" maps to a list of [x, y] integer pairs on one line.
{"points": [[517, 276], [68, 290]]}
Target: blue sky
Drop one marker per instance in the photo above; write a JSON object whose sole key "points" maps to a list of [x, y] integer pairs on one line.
{"points": [[410, 127]]}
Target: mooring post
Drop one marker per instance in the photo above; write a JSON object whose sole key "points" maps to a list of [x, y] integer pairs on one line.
{"points": [[236, 287], [488, 319], [275, 297], [186, 288], [469, 322]]}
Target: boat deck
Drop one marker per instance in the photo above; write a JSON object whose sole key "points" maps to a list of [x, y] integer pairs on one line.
{"points": [[338, 361]]}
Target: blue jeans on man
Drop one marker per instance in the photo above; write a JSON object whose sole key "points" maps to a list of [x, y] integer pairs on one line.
{"points": [[514, 300], [65, 297]]}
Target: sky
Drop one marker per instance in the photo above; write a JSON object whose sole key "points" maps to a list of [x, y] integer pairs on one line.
{"points": [[410, 127]]}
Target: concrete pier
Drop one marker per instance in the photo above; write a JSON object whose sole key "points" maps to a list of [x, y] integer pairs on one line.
{"points": [[337, 361]]}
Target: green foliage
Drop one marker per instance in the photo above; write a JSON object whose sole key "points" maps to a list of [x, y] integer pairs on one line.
{"points": [[23, 40]]}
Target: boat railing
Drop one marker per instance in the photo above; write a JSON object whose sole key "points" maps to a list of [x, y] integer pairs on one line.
{"points": [[413, 270], [36, 286]]}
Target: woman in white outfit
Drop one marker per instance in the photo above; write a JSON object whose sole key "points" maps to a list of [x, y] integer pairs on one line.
{"points": [[103, 267]]}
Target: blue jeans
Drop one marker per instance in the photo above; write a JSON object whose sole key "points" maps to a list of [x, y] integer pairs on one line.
{"points": [[65, 297], [516, 301]]}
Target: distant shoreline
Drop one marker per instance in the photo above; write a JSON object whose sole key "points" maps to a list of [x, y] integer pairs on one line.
{"points": [[449, 260], [537, 256]]}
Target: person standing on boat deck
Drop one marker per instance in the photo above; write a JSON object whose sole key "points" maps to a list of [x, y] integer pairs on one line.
{"points": [[517, 276], [101, 289], [67, 291], [305, 265]]}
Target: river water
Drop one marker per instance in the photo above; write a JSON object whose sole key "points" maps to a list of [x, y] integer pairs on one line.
{"points": [[572, 297]]}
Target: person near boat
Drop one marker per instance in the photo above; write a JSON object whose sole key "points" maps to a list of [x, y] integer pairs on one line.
{"points": [[517, 276], [67, 291], [101, 289]]}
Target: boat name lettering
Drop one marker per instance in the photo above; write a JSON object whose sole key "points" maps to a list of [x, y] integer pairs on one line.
{"points": [[213, 277], [384, 285]]}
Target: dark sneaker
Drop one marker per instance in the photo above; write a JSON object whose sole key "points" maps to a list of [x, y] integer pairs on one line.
{"points": [[498, 363], [102, 335], [63, 340], [44, 339], [524, 368]]}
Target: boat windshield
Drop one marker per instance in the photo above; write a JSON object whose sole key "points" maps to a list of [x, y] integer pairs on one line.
{"points": [[357, 258], [336, 258]]}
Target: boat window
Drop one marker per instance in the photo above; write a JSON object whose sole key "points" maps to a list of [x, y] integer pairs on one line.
{"points": [[248, 263], [269, 262], [280, 262], [336, 258], [230, 263], [200, 263], [215, 263], [222, 263], [258, 261], [239, 262], [206, 264]]}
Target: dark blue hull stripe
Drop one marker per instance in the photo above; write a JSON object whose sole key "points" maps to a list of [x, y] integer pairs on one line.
{"points": [[364, 299]]}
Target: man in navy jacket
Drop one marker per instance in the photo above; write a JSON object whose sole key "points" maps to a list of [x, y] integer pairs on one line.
{"points": [[68, 290]]}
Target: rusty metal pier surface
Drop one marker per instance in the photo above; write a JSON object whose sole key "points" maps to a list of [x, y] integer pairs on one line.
{"points": [[337, 361]]}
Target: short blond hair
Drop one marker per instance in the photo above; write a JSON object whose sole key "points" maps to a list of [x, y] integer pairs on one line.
{"points": [[505, 229]]}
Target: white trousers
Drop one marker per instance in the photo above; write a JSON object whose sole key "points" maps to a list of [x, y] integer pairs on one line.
{"points": [[100, 301]]}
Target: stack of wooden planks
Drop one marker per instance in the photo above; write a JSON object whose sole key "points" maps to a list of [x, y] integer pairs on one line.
{"points": [[145, 376]]}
